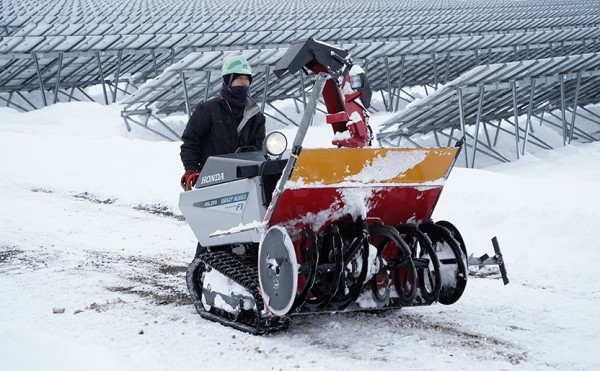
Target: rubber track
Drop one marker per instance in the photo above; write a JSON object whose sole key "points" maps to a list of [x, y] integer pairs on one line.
{"points": [[244, 272]]}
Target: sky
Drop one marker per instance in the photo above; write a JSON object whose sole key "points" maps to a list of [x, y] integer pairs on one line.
{"points": [[93, 252]]}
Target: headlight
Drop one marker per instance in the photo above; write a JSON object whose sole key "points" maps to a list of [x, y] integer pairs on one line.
{"points": [[275, 143], [356, 82]]}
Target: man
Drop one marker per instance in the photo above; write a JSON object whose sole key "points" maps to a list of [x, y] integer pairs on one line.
{"points": [[223, 124]]}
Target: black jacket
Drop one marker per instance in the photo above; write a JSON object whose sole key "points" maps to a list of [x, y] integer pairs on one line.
{"points": [[213, 130]]}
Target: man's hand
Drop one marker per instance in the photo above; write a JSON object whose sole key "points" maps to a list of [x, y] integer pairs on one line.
{"points": [[188, 180]]}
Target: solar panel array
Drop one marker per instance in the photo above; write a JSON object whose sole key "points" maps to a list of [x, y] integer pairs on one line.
{"points": [[51, 45], [57, 46], [489, 95]]}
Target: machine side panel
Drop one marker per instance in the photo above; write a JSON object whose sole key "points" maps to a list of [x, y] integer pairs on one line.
{"points": [[223, 207]]}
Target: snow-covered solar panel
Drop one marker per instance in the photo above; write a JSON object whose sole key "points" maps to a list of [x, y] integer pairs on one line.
{"points": [[416, 61], [22, 44], [503, 92], [140, 34]]}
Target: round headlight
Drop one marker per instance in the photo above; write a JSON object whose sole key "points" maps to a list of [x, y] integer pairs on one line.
{"points": [[356, 82], [275, 143]]}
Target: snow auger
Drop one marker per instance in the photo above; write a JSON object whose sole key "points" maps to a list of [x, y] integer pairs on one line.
{"points": [[323, 230]]}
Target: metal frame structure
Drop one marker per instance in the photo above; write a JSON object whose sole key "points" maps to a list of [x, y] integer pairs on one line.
{"points": [[56, 46], [493, 97], [197, 78], [170, 53], [391, 66], [16, 13]]}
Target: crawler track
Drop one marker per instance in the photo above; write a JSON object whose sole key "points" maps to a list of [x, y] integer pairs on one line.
{"points": [[242, 270]]}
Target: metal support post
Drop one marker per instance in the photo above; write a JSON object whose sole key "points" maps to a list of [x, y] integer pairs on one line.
{"points": [[562, 109], [102, 77], [461, 109], [446, 72], [437, 138], [40, 80], [497, 132], [516, 114], [579, 131], [450, 137], [478, 121], [487, 134], [154, 62], [435, 73], [9, 102], [185, 94], [400, 82], [575, 101], [119, 61], [266, 89], [207, 92], [58, 73], [388, 105], [529, 112]]}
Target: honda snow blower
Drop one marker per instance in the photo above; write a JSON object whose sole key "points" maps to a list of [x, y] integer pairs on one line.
{"points": [[323, 230]]}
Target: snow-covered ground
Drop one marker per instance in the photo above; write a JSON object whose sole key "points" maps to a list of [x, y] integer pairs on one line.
{"points": [[93, 252]]}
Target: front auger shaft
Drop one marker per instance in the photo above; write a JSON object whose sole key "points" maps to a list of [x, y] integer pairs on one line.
{"points": [[337, 266]]}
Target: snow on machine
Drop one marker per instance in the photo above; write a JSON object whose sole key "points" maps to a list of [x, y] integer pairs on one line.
{"points": [[323, 230]]}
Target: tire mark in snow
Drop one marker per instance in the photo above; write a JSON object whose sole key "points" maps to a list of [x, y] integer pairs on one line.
{"points": [[88, 197], [411, 328], [158, 280], [7, 254], [159, 209], [155, 208], [150, 278], [452, 336], [153, 278], [15, 260]]}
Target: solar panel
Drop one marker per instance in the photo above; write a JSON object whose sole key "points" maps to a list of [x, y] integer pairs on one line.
{"points": [[48, 45], [503, 92]]}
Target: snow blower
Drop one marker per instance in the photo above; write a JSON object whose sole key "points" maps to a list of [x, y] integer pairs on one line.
{"points": [[347, 228]]}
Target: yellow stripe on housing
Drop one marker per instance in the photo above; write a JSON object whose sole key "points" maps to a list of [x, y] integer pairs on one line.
{"points": [[367, 165]]}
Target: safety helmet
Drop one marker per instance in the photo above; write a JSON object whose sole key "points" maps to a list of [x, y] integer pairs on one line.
{"points": [[236, 64]]}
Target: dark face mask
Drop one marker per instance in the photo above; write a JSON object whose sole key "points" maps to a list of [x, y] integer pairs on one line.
{"points": [[235, 95]]}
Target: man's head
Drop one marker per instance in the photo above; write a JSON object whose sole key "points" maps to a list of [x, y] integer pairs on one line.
{"points": [[236, 71]]}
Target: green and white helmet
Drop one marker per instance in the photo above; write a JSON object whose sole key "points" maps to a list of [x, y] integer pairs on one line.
{"points": [[236, 64]]}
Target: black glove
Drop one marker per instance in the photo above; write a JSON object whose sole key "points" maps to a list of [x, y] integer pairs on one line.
{"points": [[188, 180]]}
